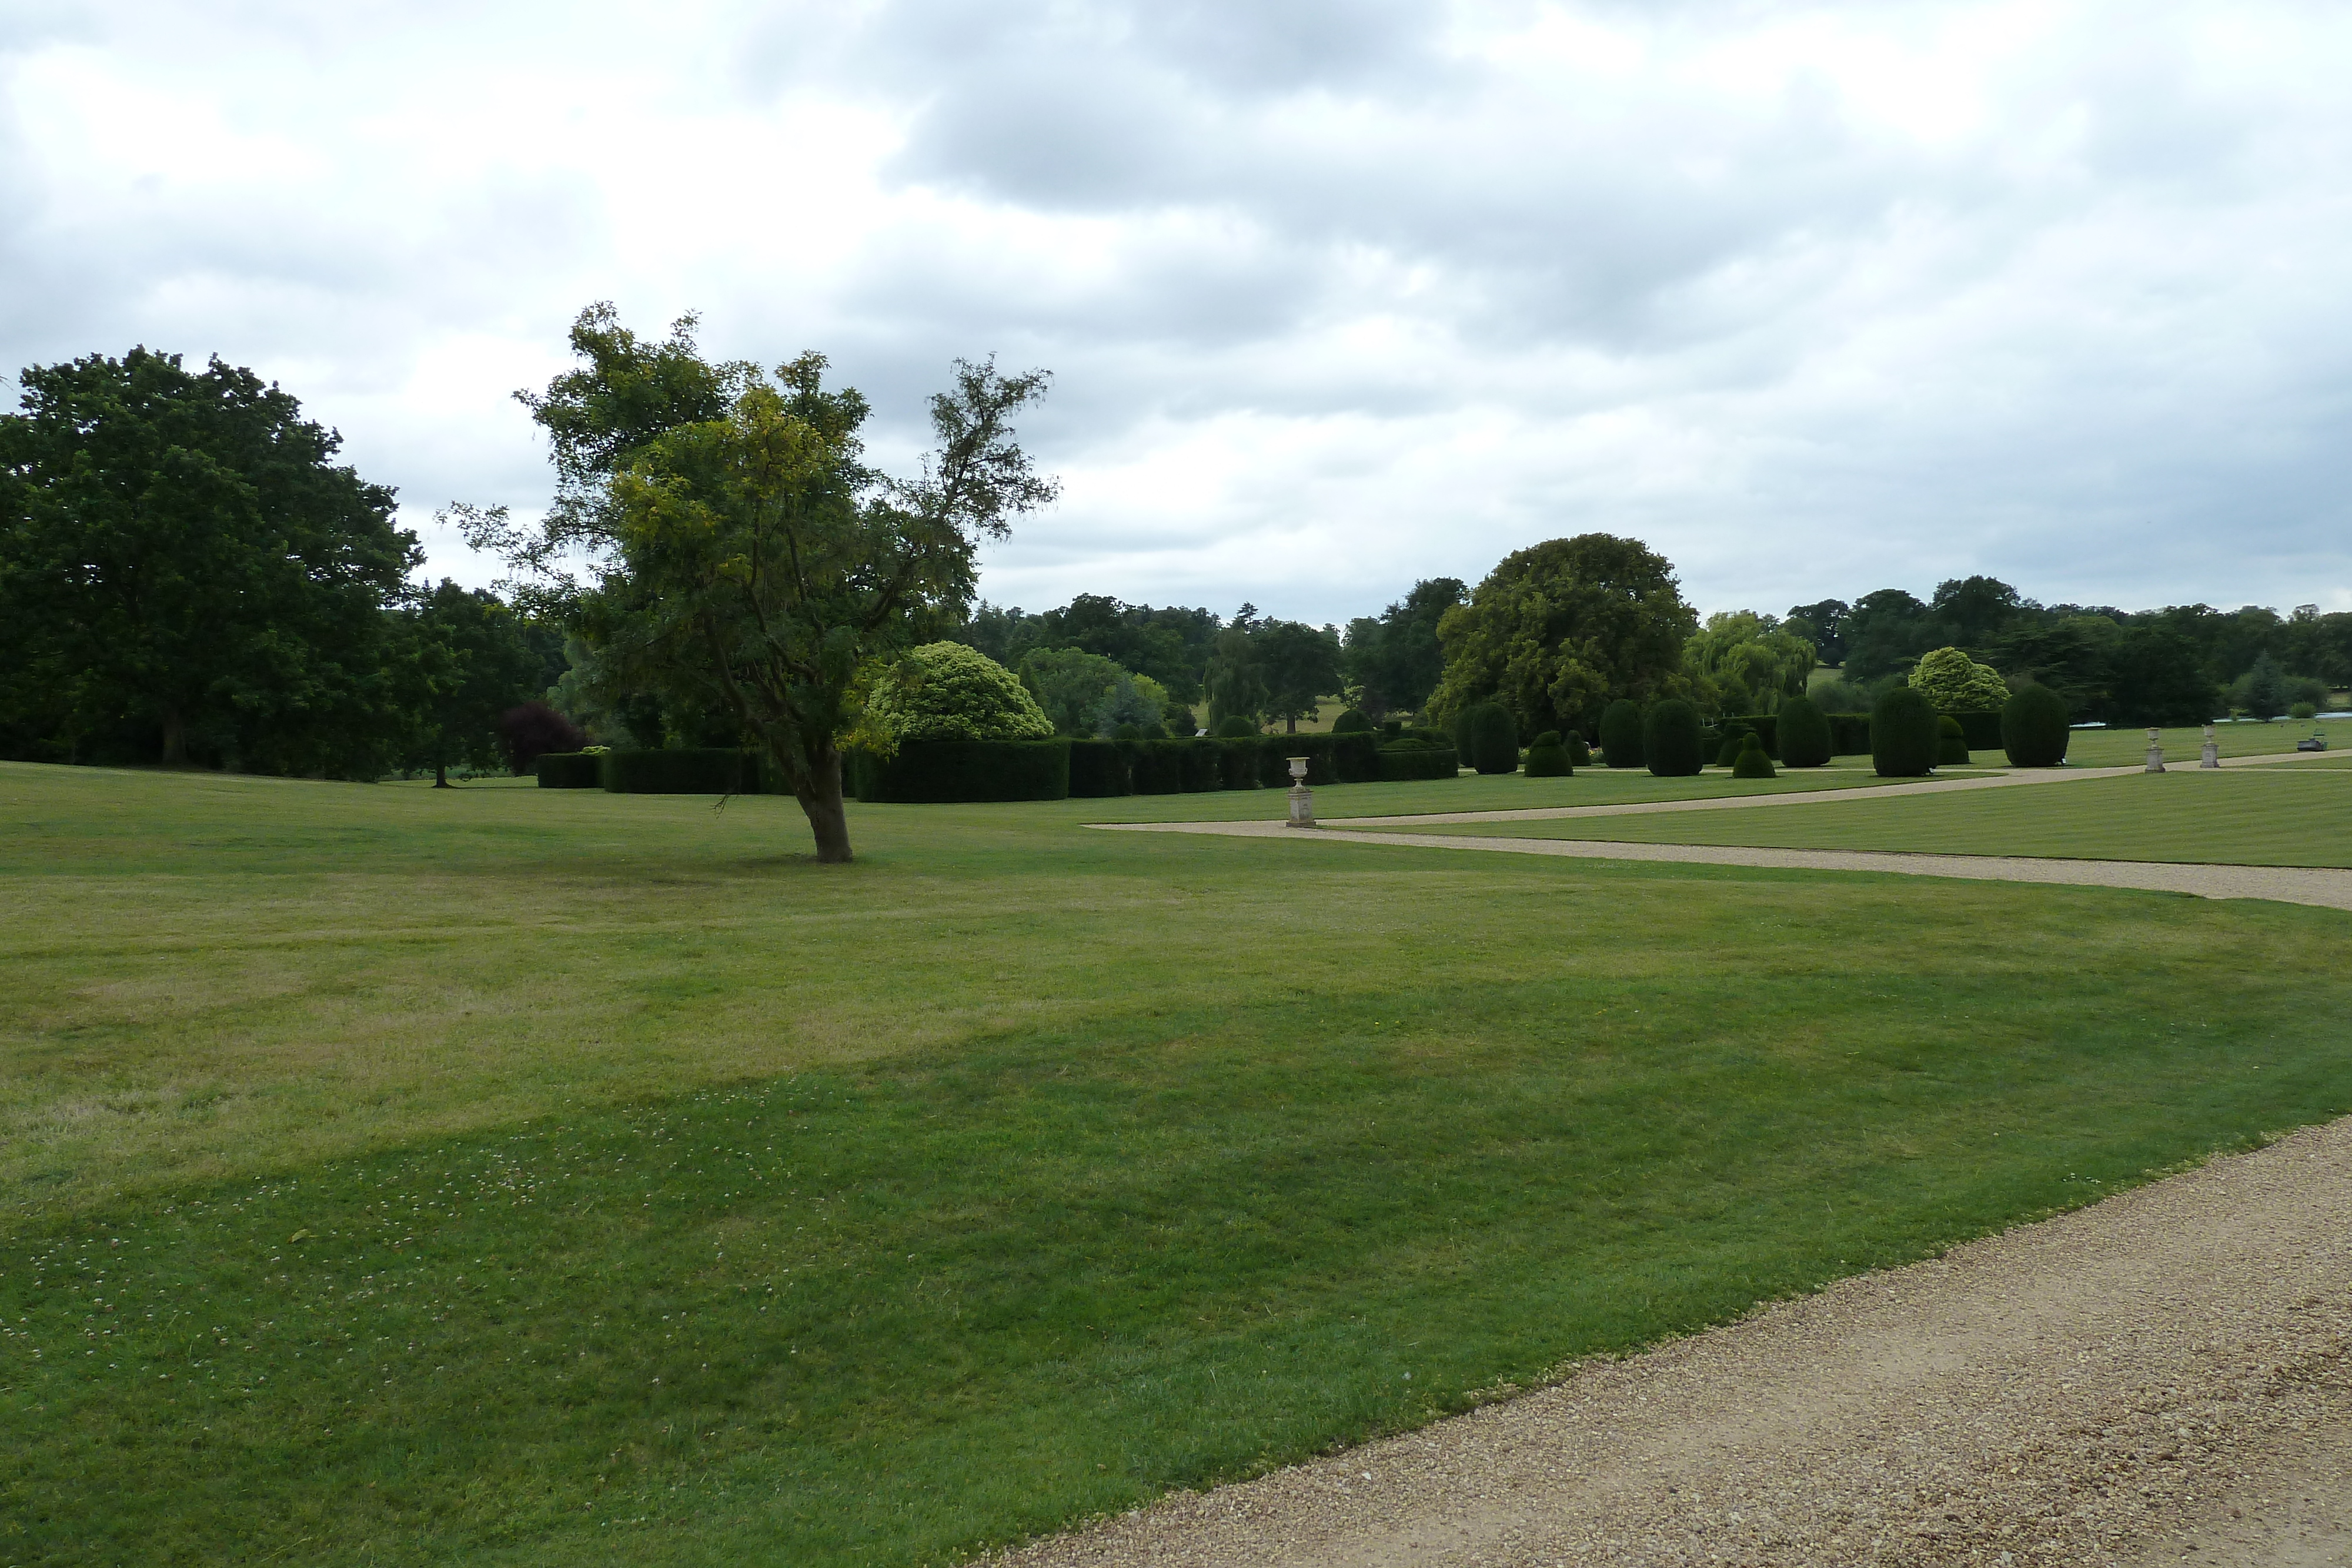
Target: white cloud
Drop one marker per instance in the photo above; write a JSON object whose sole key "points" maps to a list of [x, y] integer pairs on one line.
{"points": [[1816, 299]]}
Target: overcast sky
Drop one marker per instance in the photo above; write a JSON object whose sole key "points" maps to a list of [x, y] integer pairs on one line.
{"points": [[1337, 295]]}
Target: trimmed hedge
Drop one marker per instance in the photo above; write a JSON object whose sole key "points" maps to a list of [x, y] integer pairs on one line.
{"points": [[1405, 760], [1353, 757], [1980, 730], [1751, 762], [1670, 740], [681, 770], [1903, 735], [1621, 735], [571, 770], [1349, 722], [944, 771], [1850, 734], [1098, 768], [1951, 742], [1580, 755], [1804, 732], [2034, 728], [1493, 740]]}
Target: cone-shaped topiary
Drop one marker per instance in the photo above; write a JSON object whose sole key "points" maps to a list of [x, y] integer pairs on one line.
{"points": [[1621, 735], [1493, 740], [1751, 762], [2034, 728], [1670, 739], [1580, 755], [1803, 731], [1234, 727], [1548, 758], [1735, 741], [1903, 735], [1349, 722], [1951, 742]]}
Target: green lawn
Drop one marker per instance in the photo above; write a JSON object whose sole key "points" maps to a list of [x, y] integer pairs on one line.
{"points": [[2122, 748], [2240, 816], [517, 1176]]}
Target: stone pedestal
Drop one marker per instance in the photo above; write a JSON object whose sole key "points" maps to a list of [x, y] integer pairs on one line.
{"points": [[2154, 752], [2210, 755], [1302, 798]]}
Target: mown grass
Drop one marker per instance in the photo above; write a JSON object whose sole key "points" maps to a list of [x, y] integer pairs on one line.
{"points": [[2253, 816], [517, 1176]]}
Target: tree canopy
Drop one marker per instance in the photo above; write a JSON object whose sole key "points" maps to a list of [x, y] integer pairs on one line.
{"points": [[1394, 661], [1954, 683], [946, 691], [1558, 630], [739, 551], [186, 572], [1741, 662]]}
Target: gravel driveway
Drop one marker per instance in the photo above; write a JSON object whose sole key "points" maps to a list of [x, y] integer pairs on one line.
{"points": [[2166, 1376]]}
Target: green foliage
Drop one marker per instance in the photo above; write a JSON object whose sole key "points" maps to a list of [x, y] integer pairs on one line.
{"points": [[1735, 735], [1412, 759], [1133, 702], [2303, 710], [1621, 733], [1235, 726], [1100, 769], [1170, 644], [1903, 735], [1751, 762], [743, 552], [946, 691], [1670, 739], [571, 770], [472, 662], [1491, 741], [1951, 742], [954, 770], [1803, 732], [1954, 683], [1128, 732], [1580, 755], [1070, 685], [681, 770], [2158, 680], [2261, 692], [1557, 630], [1547, 757], [1180, 722], [186, 573], [1395, 661], [1746, 663], [2034, 727], [1350, 720]]}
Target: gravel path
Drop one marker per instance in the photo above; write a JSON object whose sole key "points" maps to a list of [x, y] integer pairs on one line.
{"points": [[2164, 1377], [2329, 888]]}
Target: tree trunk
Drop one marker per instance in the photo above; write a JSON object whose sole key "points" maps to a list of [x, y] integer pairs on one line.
{"points": [[175, 738], [1293, 722], [820, 797], [440, 774]]}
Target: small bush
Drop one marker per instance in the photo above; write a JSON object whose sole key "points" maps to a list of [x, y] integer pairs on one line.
{"points": [[2034, 728], [1751, 762], [1179, 722], [1494, 739], [571, 770], [1349, 723], [1670, 739], [1736, 736], [1903, 735], [2303, 710], [1548, 758], [1951, 742], [1621, 735], [1128, 732], [1233, 727], [1804, 732], [1580, 755]]}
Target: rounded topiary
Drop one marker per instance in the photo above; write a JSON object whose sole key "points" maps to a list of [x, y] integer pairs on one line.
{"points": [[1951, 742], [1954, 683], [1904, 734], [1548, 758], [1155, 731], [2033, 727], [1493, 740], [945, 691], [1803, 731], [1752, 762], [1735, 741], [1621, 733], [1234, 727], [1128, 732], [1580, 755], [1350, 722], [1670, 739]]}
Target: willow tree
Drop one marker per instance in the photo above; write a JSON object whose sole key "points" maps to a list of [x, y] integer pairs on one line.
{"points": [[737, 549]]}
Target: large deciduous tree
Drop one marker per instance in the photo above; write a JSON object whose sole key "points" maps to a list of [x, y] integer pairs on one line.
{"points": [[1394, 661], [740, 549], [474, 662], [181, 556], [1555, 631]]}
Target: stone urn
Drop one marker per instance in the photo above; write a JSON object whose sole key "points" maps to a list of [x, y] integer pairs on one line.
{"points": [[1302, 798]]}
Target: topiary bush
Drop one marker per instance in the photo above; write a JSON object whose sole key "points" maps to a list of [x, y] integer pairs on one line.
{"points": [[1954, 683], [1670, 739], [1736, 735], [1413, 758], [1348, 722], [1621, 735], [1580, 755], [1751, 762], [1493, 740], [2034, 728], [1234, 727], [945, 691], [1951, 742], [1548, 758], [1904, 734], [1804, 734]]}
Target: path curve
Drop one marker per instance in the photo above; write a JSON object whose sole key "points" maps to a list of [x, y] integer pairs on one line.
{"points": [[2168, 1372], [2328, 888]]}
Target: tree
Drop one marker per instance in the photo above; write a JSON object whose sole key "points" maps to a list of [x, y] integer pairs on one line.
{"points": [[1069, 683], [1823, 625], [946, 691], [1237, 676], [2072, 657], [1132, 700], [1973, 609], [2159, 681], [181, 560], [2262, 690], [1558, 630], [1300, 666], [1394, 661], [473, 663], [1884, 632], [741, 550], [1745, 662], [1954, 683]]}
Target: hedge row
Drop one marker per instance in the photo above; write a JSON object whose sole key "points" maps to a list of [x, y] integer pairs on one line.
{"points": [[942, 771], [569, 770]]}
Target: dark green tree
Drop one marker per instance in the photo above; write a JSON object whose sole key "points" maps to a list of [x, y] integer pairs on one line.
{"points": [[1300, 666], [1905, 732], [2159, 680], [1884, 631], [475, 661], [2262, 690], [183, 561], [1395, 661], [741, 551]]}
